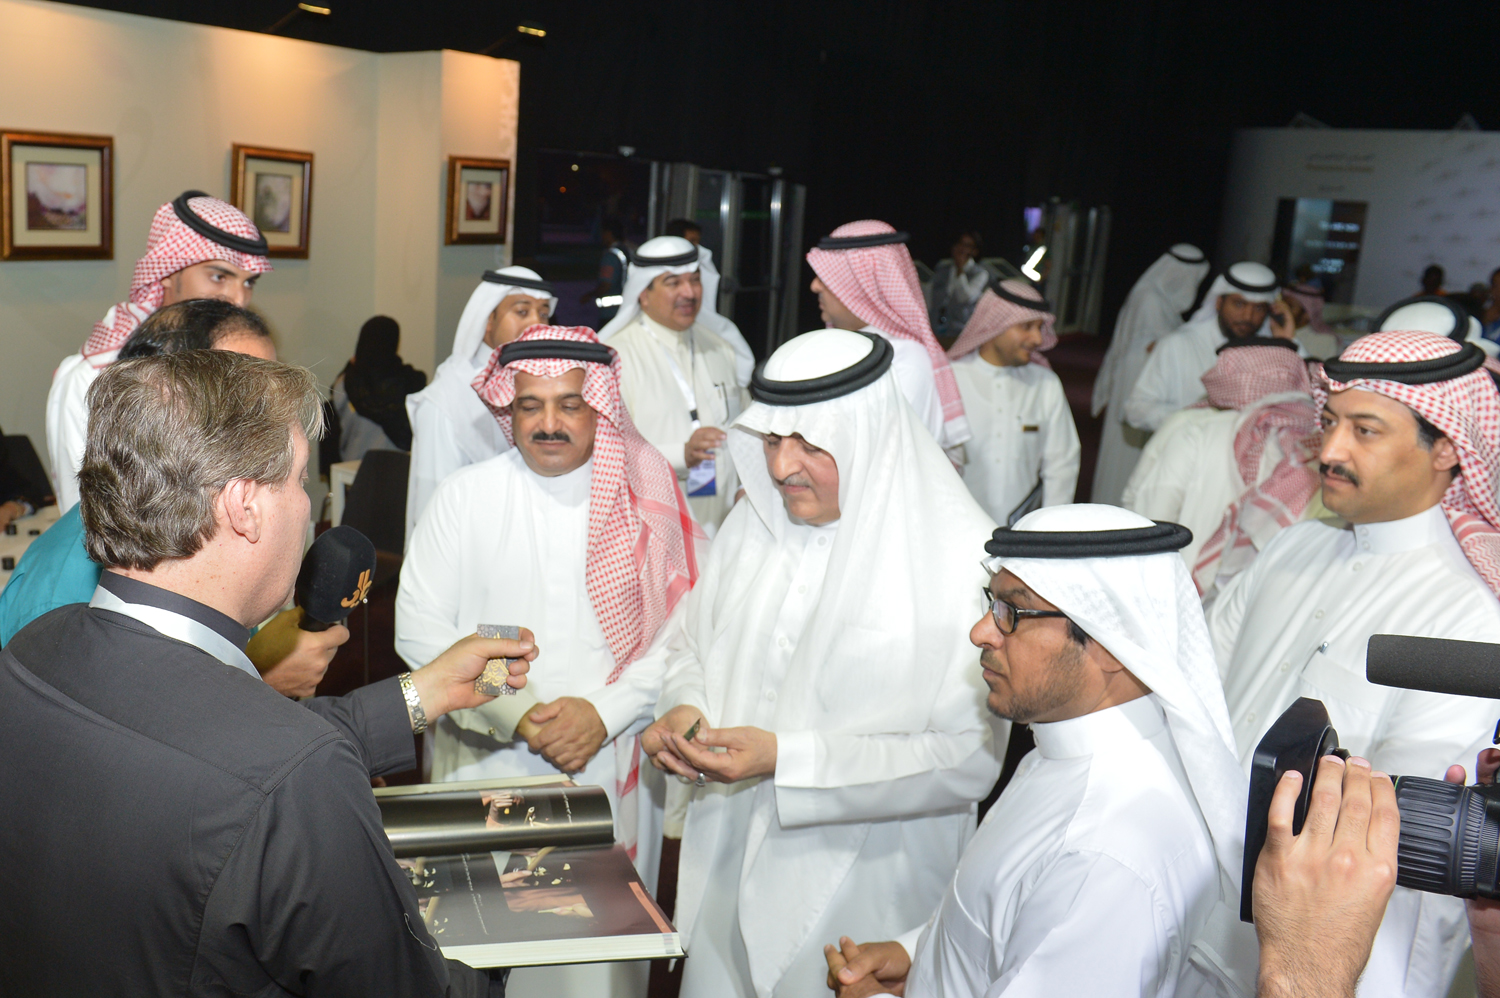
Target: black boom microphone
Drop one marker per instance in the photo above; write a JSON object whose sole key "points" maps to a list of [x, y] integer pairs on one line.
{"points": [[335, 578], [1436, 665]]}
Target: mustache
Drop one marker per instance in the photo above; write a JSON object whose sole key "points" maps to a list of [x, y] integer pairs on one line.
{"points": [[541, 436], [795, 479], [1338, 471]]}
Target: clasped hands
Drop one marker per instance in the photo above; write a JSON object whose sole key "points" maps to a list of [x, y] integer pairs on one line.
{"points": [[747, 752]]}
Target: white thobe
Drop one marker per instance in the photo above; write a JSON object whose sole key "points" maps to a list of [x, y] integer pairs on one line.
{"points": [[1090, 875], [661, 411], [1188, 473], [1151, 315], [1295, 624], [884, 816], [912, 366], [1172, 376], [68, 422], [1023, 432], [450, 429]]}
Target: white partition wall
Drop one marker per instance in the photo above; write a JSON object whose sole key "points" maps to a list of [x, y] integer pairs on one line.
{"points": [[1434, 197], [176, 97]]}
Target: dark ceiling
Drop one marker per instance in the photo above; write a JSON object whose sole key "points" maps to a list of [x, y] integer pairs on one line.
{"points": [[938, 115]]}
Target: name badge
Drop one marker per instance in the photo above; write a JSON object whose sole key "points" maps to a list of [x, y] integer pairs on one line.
{"points": [[1030, 429], [700, 480]]}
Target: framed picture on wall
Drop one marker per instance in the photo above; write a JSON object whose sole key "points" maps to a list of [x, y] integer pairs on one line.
{"points": [[58, 194], [274, 187], [478, 190]]}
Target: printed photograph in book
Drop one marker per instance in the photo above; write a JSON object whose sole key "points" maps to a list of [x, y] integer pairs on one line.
{"points": [[532, 896]]}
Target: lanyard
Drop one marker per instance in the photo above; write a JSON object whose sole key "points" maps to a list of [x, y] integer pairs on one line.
{"points": [[683, 384], [175, 625]]}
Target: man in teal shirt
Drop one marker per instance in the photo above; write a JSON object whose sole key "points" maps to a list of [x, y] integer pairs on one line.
{"points": [[54, 571]]}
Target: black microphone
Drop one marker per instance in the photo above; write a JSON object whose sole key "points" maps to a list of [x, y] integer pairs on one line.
{"points": [[336, 575], [1437, 665]]}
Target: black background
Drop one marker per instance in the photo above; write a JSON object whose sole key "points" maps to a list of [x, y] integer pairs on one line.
{"points": [[937, 116]]}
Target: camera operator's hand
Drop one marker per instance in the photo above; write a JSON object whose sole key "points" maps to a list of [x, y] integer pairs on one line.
{"points": [[1484, 914], [1320, 895], [447, 682]]}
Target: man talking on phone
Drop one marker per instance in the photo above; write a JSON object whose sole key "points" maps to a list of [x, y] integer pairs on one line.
{"points": [[1244, 301], [176, 825]]}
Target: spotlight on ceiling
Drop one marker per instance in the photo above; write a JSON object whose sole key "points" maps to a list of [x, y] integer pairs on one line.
{"points": [[529, 32], [291, 15]]}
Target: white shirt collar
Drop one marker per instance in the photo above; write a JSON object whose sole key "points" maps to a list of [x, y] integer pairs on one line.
{"points": [[1427, 528], [1137, 720], [570, 488], [667, 335]]}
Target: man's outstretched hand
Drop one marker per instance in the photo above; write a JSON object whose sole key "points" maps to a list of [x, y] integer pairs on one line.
{"points": [[1320, 895], [447, 682]]}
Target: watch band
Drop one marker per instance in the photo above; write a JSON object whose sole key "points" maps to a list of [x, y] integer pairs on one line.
{"points": [[413, 704]]}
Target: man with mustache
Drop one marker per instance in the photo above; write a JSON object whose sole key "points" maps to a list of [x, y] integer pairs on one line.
{"points": [[824, 653], [1411, 441], [1237, 306], [678, 380], [581, 534]]}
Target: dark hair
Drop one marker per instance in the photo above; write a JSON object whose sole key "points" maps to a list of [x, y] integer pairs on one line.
{"points": [[1077, 634], [1427, 434], [977, 239], [195, 324], [680, 227]]}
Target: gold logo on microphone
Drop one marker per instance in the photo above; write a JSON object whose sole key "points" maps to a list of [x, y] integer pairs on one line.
{"points": [[360, 591]]}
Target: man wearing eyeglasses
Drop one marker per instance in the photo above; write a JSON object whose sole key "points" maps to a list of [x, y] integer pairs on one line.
{"points": [[1121, 834]]}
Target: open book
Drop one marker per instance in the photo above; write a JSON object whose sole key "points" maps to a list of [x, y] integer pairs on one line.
{"points": [[523, 871]]}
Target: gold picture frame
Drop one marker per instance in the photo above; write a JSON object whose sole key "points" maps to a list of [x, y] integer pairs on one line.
{"points": [[57, 191], [478, 195], [274, 188]]}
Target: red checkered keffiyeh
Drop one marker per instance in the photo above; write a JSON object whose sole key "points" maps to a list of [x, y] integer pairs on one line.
{"points": [[642, 550], [170, 247], [1241, 378], [1467, 411], [993, 315], [642, 540], [879, 284]]}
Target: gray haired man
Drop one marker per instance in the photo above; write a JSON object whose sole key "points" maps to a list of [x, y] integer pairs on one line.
{"points": [[179, 826]]}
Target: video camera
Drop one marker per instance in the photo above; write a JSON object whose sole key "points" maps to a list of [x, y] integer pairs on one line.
{"points": [[1450, 834]]}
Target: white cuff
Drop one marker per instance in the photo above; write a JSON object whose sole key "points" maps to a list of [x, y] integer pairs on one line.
{"points": [[619, 706], [796, 759]]}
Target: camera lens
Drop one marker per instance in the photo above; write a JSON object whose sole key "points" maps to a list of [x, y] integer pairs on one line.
{"points": [[1449, 838]]}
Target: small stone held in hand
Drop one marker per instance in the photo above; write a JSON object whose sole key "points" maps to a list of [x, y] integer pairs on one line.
{"points": [[491, 681]]}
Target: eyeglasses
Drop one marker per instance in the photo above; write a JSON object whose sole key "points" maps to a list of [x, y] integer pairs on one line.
{"points": [[1013, 614]]}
